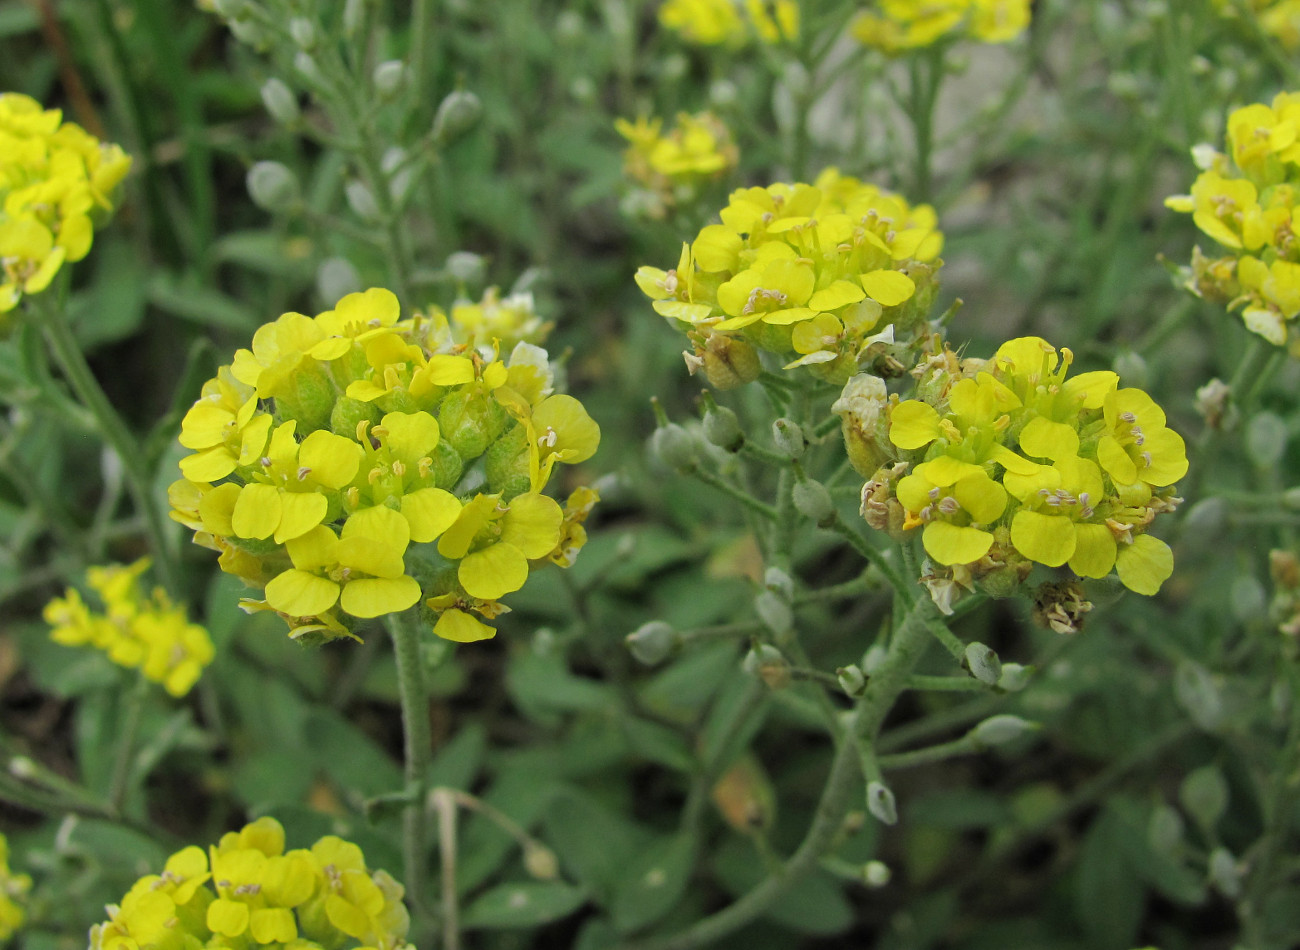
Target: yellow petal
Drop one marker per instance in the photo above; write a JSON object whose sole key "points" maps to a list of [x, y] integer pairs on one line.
{"points": [[1047, 439], [888, 287], [330, 460], [493, 572], [951, 544], [532, 525], [1047, 539], [299, 513], [461, 627], [913, 424], [257, 512], [983, 498], [429, 512], [1144, 565], [301, 594], [376, 596], [1094, 550]]}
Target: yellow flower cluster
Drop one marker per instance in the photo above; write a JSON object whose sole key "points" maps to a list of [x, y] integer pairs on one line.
{"points": [[827, 276], [1280, 19], [901, 25], [136, 631], [1249, 202], [56, 180], [13, 888], [1008, 463], [493, 322], [673, 165], [353, 464], [729, 22], [247, 892]]}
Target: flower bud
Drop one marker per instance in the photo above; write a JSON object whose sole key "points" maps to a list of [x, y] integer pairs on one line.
{"points": [[999, 730], [775, 613], [1266, 436], [876, 874], [722, 427], [447, 466], [348, 413], [470, 422], [303, 32], [465, 267], [272, 186], [651, 643], [852, 680], [1204, 793], [766, 662], [813, 501], [1132, 369], [779, 583], [540, 862], [354, 15], [506, 464], [881, 803], [280, 101], [251, 32], [983, 664], [674, 447], [388, 77], [788, 438], [362, 201], [1015, 677], [1208, 516], [336, 278], [306, 65], [1224, 873], [873, 658], [456, 115]]}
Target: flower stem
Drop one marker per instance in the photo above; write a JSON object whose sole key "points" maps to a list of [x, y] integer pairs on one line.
{"points": [[404, 628], [135, 465], [753, 504], [120, 782]]}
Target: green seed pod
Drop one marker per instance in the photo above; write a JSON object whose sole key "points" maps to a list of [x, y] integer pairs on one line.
{"points": [[362, 201], [983, 664], [1015, 677], [774, 612], [779, 583], [1204, 793], [652, 642], [389, 77], [336, 278], [457, 114], [766, 662], [354, 15], [722, 427], [273, 187], [303, 32], [813, 501], [789, 438], [674, 447], [280, 101], [998, 730], [348, 413], [876, 874], [881, 803], [465, 267], [729, 362], [852, 680]]}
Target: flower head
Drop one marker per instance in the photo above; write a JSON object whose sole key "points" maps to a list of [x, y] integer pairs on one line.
{"points": [[13, 889], [901, 25]]}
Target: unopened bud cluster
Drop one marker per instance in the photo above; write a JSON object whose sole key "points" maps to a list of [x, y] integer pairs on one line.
{"points": [[832, 276], [247, 891], [354, 464]]}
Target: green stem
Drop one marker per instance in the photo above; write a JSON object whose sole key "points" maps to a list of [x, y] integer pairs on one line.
{"points": [[879, 558], [906, 649], [750, 502], [946, 684], [935, 753], [120, 782], [405, 630], [115, 432]]}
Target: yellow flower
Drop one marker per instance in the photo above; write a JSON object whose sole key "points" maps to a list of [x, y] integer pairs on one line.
{"points": [[136, 631], [1137, 445], [55, 180], [13, 889], [707, 22], [494, 543]]}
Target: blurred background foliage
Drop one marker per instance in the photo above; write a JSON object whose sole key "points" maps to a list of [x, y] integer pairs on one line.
{"points": [[1156, 804]]}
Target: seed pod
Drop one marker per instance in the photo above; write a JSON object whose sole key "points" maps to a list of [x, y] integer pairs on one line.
{"points": [[457, 114], [272, 186], [280, 101], [651, 643]]}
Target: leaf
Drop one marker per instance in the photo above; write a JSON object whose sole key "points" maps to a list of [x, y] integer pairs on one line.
{"points": [[190, 300], [458, 762], [687, 684], [1108, 893], [264, 251], [814, 904], [654, 882], [594, 844], [113, 307], [659, 743], [525, 904], [542, 685], [348, 755]]}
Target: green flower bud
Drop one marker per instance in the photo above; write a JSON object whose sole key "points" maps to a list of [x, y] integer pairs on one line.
{"points": [[873, 658], [303, 32], [447, 466], [876, 874], [506, 463], [852, 680], [1204, 793], [881, 803], [272, 186], [1266, 436], [306, 65], [813, 501], [766, 662], [456, 115], [471, 421], [466, 267], [1015, 677], [362, 201], [983, 664], [674, 447], [336, 278], [779, 583], [354, 15], [774, 612], [788, 438], [348, 413], [722, 427], [280, 101], [388, 77], [309, 396], [651, 643], [999, 730], [1132, 369]]}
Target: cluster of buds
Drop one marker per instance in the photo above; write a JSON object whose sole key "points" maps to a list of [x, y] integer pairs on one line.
{"points": [[1248, 201], [731, 22], [148, 633], [13, 889], [354, 464], [246, 891], [832, 276], [670, 168], [492, 323], [1007, 463], [56, 182], [901, 25], [1279, 19]]}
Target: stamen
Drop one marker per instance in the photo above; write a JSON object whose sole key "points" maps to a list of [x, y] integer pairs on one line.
{"points": [[1128, 417]]}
